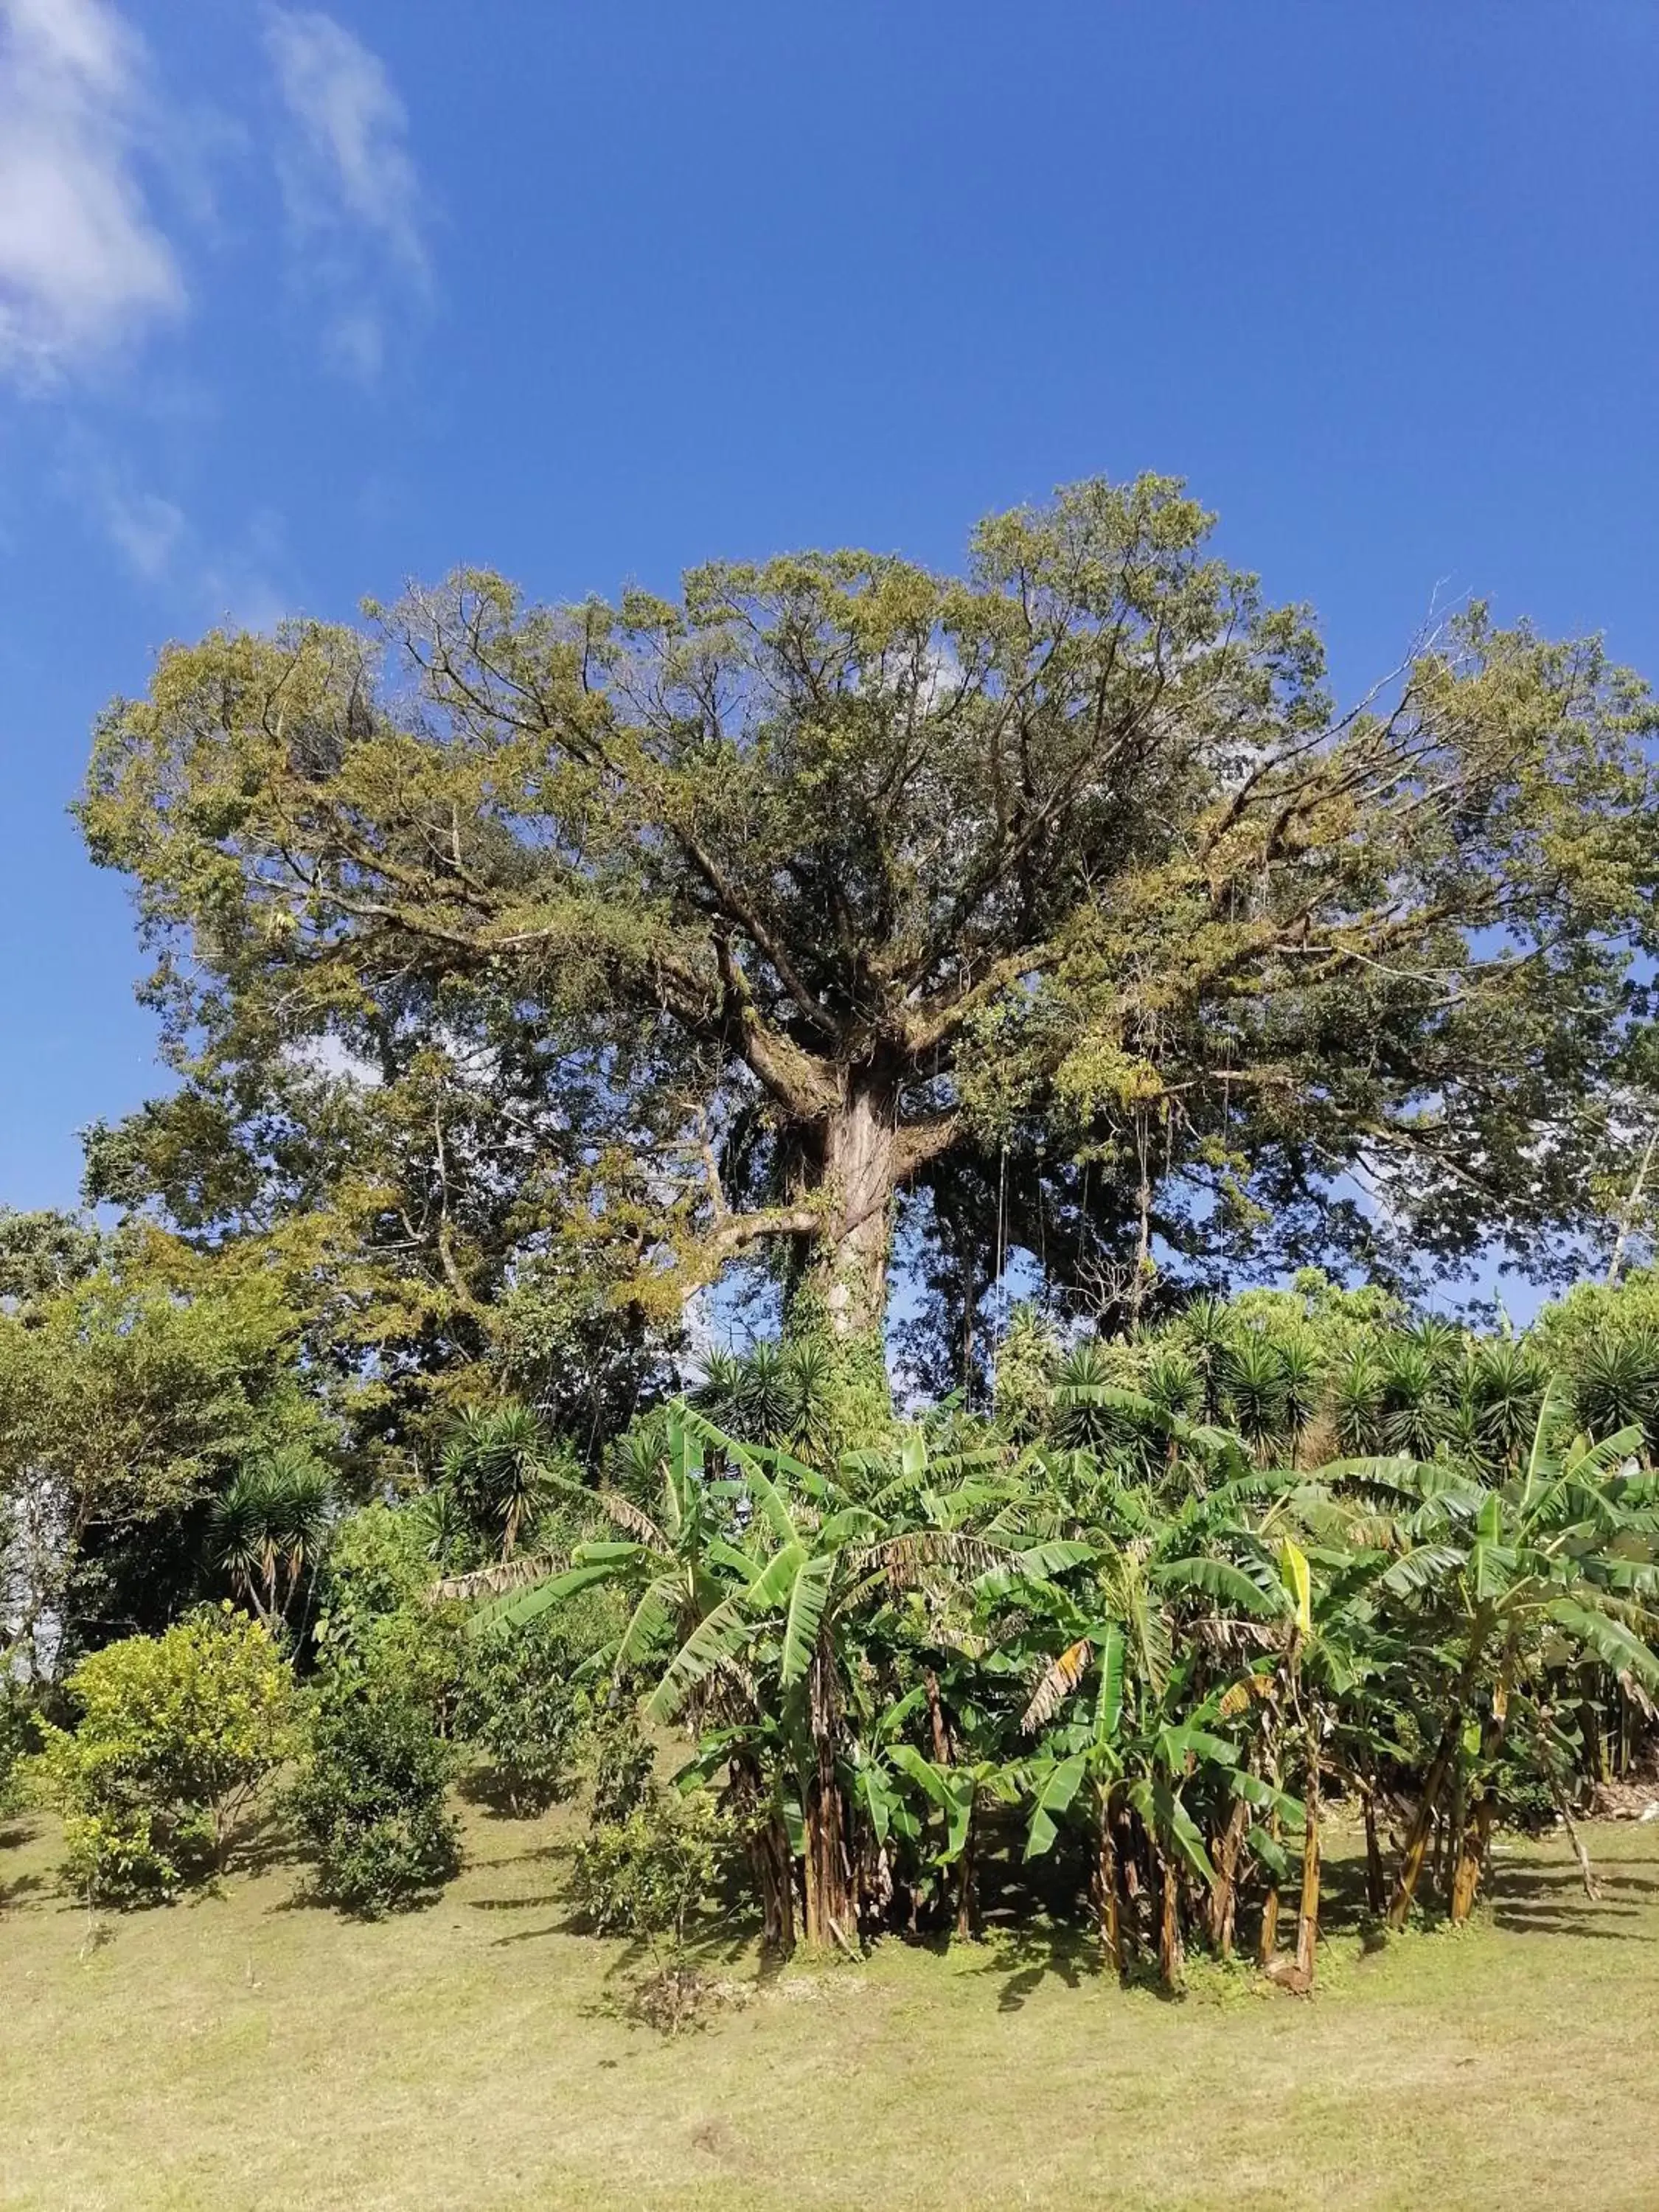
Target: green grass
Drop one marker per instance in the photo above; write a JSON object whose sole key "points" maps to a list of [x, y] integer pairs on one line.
{"points": [[248, 2050]]}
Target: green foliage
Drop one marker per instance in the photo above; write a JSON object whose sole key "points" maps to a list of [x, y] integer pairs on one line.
{"points": [[499, 1469], [174, 1734], [1027, 1360], [621, 1762], [1615, 1382], [646, 1874], [521, 1704], [18, 1738], [371, 1796], [267, 1531], [677, 932], [378, 1571], [131, 1395], [813, 1393]]}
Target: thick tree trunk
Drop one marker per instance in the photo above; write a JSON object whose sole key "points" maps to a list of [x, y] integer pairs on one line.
{"points": [[1472, 1858], [771, 1862], [1377, 1891], [1171, 1957], [967, 1879], [1223, 1891], [775, 1865], [1268, 1941], [857, 1171], [937, 1721], [1422, 1828]]}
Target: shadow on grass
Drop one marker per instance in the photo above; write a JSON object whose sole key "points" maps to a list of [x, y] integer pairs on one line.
{"points": [[1026, 1958], [484, 1787], [1551, 1901]]}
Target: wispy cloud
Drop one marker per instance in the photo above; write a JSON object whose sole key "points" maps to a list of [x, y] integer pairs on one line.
{"points": [[354, 199], [84, 264], [144, 529], [198, 575]]}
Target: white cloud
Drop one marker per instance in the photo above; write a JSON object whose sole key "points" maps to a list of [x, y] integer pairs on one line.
{"points": [[353, 196], [145, 530], [82, 263]]}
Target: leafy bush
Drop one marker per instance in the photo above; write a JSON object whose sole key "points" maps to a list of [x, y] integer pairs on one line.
{"points": [[376, 1611], [371, 1795], [646, 1875], [14, 1744], [377, 1565], [176, 1733], [520, 1703], [621, 1762]]}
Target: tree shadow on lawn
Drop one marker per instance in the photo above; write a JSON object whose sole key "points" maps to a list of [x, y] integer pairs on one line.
{"points": [[483, 1788], [1551, 1900], [1027, 1957]]}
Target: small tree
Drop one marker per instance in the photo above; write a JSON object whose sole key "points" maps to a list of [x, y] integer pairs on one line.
{"points": [[520, 1703], [266, 1530], [371, 1796], [176, 1734], [646, 1876]]}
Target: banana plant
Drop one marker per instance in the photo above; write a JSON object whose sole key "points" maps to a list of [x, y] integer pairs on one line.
{"points": [[819, 1556], [1485, 1564], [1119, 1709]]}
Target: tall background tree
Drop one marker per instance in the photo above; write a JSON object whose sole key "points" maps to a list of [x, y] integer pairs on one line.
{"points": [[607, 947]]}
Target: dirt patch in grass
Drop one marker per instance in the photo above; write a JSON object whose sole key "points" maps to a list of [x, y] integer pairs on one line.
{"points": [[248, 2050]]}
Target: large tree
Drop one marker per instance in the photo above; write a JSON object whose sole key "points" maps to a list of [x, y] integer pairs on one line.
{"points": [[692, 929]]}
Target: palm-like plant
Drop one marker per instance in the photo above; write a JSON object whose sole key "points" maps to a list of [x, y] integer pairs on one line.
{"points": [[1256, 1392], [497, 1467], [816, 1561], [1123, 1629], [1357, 1405], [1414, 1403], [1615, 1382], [1506, 1382], [1208, 1330], [1301, 1388], [1485, 1565], [266, 1530]]}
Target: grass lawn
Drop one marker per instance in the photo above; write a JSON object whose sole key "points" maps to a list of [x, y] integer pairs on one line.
{"points": [[249, 2051]]}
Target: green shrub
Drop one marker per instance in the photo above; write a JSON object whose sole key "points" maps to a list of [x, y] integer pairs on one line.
{"points": [[521, 1704], [175, 1735], [377, 1565], [621, 1761], [14, 1744], [646, 1875], [371, 1796]]}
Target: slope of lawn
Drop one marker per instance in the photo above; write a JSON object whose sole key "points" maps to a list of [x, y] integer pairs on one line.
{"points": [[250, 2051]]}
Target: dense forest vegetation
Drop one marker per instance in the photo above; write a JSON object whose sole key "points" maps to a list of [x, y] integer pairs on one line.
{"points": [[1097, 1080]]}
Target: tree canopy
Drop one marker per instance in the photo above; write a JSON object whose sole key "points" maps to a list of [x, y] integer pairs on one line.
{"points": [[600, 947]]}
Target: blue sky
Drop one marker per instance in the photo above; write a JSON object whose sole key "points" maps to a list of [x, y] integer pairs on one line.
{"points": [[295, 304]]}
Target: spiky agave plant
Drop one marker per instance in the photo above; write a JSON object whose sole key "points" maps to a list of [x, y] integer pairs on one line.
{"points": [[1255, 1392], [1415, 1404], [1357, 1405], [1615, 1382], [1506, 1382], [1208, 1330], [496, 1466], [266, 1530], [1302, 1386]]}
